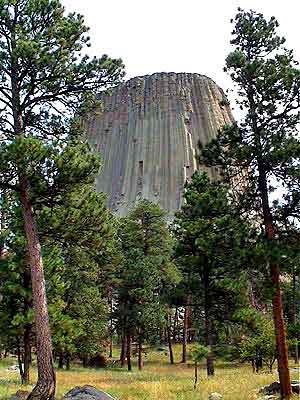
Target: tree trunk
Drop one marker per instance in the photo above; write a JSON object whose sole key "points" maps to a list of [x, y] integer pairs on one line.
{"points": [[140, 356], [196, 375], [253, 365], [2, 223], [27, 354], [110, 299], [258, 361], [208, 324], [68, 362], [175, 326], [85, 361], [161, 336], [297, 353], [128, 351], [123, 351], [28, 327], [45, 387], [20, 361], [294, 313], [61, 361], [280, 332], [185, 330], [170, 344], [281, 342], [110, 348]]}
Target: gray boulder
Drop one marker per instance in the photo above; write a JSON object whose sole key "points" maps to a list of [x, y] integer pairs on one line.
{"points": [[274, 388], [215, 396], [86, 393], [13, 368], [296, 387]]}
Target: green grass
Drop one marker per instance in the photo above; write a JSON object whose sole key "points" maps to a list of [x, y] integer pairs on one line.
{"points": [[158, 381]]}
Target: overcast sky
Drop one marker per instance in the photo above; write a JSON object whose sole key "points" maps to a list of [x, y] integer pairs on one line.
{"points": [[176, 35]]}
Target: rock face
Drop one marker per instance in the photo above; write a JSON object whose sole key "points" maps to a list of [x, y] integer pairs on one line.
{"points": [[147, 133]]}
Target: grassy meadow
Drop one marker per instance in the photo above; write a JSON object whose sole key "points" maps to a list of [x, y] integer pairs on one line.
{"points": [[158, 380]]}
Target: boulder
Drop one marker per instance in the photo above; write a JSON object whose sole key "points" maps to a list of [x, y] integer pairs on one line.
{"points": [[274, 388], [296, 387], [215, 396], [86, 393], [20, 395], [162, 349], [13, 368]]}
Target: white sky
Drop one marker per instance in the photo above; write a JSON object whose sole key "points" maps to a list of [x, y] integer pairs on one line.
{"points": [[176, 35]]}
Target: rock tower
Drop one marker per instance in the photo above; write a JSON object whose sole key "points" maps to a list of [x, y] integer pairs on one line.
{"points": [[147, 132]]}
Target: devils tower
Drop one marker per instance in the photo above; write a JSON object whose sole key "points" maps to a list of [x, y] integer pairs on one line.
{"points": [[147, 132]]}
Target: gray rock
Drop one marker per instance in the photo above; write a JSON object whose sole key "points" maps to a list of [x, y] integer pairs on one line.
{"points": [[271, 389], [215, 396], [162, 348], [296, 386], [86, 393], [147, 130], [274, 388], [13, 368]]}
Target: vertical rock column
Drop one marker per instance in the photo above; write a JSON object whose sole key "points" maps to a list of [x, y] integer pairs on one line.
{"points": [[147, 133]]}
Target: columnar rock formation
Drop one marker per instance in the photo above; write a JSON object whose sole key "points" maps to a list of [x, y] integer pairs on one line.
{"points": [[147, 133]]}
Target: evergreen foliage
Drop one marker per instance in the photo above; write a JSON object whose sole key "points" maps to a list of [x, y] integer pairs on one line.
{"points": [[261, 153], [209, 250], [146, 272]]}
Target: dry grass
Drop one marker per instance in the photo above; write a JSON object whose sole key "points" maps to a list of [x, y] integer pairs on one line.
{"points": [[158, 381]]}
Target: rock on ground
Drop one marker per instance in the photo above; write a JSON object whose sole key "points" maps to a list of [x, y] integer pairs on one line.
{"points": [[271, 389], [215, 396], [274, 388], [13, 368], [296, 386], [86, 393]]}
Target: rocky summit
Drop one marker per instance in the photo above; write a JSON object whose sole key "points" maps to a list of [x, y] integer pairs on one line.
{"points": [[147, 131]]}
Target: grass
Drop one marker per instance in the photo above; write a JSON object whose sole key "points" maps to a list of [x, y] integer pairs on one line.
{"points": [[158, 381]]}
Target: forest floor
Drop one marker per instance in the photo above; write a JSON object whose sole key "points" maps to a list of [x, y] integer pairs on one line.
{"points": [[158, 381]]}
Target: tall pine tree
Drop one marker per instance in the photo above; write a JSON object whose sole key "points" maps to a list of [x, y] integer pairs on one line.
{"points": [[210, 236], [262, 151], [44, 80]]}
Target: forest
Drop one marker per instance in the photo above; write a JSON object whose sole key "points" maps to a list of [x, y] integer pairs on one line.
{"points": [[87, 296]]}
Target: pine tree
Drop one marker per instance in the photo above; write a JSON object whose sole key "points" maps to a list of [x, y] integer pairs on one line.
{"points": [[44, 79], [262, 152], [77, 233], [145, 274], [209, 238]]}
